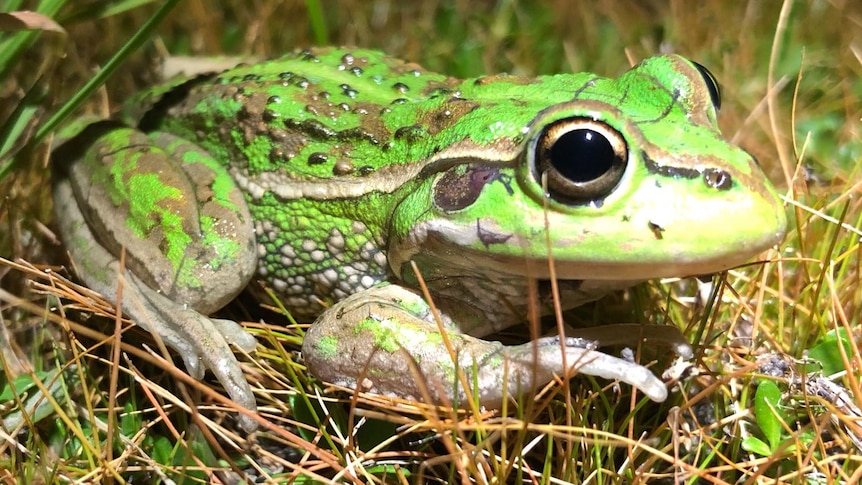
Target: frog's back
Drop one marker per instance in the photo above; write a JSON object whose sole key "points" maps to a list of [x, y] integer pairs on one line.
{"points": [[316, 114]]}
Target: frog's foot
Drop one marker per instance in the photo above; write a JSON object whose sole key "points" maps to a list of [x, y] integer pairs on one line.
{"points": [[386, 341], [535, 363], [202, 342]]}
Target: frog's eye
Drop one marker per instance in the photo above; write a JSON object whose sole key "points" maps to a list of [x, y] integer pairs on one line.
{"points": [[711, 85], [582, 159]]}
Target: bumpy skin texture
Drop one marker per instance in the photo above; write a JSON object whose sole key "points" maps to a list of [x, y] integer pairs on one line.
{"points": [[327, 174]]}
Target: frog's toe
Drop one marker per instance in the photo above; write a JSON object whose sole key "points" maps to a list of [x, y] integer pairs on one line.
{"points": [[229, 373], [192, 360], [538, 362], [235, 334]]}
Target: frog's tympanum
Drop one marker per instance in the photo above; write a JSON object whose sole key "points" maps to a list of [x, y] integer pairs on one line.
{"points": [[327, 175]]}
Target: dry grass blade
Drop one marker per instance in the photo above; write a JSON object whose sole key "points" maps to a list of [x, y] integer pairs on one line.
{"points": [[17, 21]]}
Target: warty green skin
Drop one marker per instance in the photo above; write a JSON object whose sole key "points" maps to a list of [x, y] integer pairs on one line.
{"points": [[326, 174]]}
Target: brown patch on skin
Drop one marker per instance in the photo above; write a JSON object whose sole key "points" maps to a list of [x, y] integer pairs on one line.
{"points": [[255, 122], [289, 142], [399, 69], [502, 152], [371, 123], [505, 78], [250, 120], [448, 114], [255, 119], [509, 146], [317, 103], [286, 144]]}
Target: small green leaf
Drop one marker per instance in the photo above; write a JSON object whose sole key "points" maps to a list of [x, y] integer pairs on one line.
{"points": [[755, 445], [826, 351], [130, 421], [162, 450], [389, 470], [766, 411], [21, 384]]}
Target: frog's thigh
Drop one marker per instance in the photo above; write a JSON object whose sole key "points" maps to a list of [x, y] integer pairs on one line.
{"points": [[184, 224], [387, 337]]}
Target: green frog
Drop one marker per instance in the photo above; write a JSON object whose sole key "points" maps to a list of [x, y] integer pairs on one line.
{"points": [[344, 180]]}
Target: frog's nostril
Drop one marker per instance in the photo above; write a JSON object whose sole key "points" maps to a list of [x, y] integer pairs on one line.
{"points": [[717, 179]]}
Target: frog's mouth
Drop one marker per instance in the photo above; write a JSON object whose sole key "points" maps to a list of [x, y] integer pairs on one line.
{"points": [[442, 248]]}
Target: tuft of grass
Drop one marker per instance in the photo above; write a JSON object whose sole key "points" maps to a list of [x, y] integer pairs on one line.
{"points": [[775, 392]]}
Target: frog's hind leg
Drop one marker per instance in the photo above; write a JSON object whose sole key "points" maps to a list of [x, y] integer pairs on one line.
{"points": [[135, 197]]}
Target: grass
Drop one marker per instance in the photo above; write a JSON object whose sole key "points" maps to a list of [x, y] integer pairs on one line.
{"points": [[757, 409]]}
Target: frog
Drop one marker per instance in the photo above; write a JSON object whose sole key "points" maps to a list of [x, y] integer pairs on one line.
{"points": [[408, 215]]}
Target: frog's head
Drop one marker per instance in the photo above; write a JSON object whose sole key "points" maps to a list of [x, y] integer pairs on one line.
{"points": [[628, 179]]}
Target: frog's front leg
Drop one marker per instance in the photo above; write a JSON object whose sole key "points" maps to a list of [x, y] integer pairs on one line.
{"points": [[186, 232], [376, 333]]}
